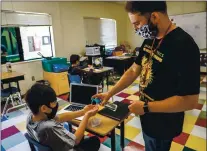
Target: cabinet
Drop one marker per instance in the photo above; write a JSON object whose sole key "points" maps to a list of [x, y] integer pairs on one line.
{"points": [[58, 81]]}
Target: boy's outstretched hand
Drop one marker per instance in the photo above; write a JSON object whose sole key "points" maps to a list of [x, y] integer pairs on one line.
{"points": [[88, 108], [92, 111]]}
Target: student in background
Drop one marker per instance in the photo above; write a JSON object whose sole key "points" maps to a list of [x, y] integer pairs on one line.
{"points": [[75, 68], [45, 126], [87, 77], [167, 63]]}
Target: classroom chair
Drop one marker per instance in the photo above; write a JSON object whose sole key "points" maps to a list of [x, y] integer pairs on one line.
{"points": [[74, 78], [36, 146], [11, 94]]}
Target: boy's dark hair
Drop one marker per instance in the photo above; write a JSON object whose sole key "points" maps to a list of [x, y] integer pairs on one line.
{"points": [[74, 58], [39, 95], [144, 7]]}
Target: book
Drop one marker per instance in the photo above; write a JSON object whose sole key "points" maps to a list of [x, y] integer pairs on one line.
{"points": [[120, 114]]}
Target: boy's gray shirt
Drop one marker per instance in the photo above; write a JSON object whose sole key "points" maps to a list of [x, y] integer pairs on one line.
{"points": [[52, 134]]}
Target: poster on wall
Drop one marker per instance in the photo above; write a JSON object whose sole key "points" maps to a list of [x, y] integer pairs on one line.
{"points": [[34, 43], [31, 43], [46, 40]]}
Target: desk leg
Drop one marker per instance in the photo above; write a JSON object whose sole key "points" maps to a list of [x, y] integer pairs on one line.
{"points": [[102, 83], [107, 81], [2, 86], [10, 90], [124, 66], [18, 87], [122, 135], [113, 143]]}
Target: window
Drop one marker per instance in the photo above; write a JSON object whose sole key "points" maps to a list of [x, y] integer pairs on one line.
{"points": [[101, 31], [24, 43], [108, 33]]}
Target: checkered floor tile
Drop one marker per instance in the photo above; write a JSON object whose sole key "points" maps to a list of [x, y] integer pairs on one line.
{"points": [[193, 137]]}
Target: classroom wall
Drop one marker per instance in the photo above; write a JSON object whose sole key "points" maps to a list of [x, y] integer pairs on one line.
{"points": [[67, 20], [68, 28], [30, 69], [72, 14], [174, 8]]}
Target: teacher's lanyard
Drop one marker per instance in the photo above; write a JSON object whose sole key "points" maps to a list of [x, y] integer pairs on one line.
{"points": [[151, 56]]}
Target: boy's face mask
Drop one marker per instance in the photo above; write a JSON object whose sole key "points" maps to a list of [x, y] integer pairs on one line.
{"points": [[147, 31], [53, 113]]}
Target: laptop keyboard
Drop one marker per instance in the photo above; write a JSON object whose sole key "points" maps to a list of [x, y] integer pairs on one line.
{"points": [[73, 108]]}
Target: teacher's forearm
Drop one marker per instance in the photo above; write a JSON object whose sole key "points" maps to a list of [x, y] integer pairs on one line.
{"points": [[126, 80], [174, 104]]}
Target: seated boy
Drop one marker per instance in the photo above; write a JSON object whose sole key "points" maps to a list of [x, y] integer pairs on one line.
{"points": [[75, 68], [87, 77], [45, 126]]}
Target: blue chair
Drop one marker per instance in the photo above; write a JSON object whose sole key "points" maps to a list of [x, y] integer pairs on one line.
{"points": [[74, 78], [36, 146], [8, 91], [68, 127]]}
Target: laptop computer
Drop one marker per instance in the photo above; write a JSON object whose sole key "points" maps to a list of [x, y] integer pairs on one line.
{"points": [[80, 96]]}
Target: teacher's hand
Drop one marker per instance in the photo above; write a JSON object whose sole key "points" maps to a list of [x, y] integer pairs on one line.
{"points": [[104, 97], [136, 107]]}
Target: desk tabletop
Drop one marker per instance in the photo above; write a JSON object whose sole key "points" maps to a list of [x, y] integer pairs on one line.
{"points": [[119, 57], [106, 126], [104, 69], [8, 75]]}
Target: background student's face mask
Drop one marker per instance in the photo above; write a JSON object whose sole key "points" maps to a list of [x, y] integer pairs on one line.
{"points": [[147, 31]]}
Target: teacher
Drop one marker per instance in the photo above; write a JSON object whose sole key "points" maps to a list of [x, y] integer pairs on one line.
{"points": [[168, 65]]}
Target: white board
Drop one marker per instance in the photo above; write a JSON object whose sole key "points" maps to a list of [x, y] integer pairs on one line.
{"points": [[195, 25]]}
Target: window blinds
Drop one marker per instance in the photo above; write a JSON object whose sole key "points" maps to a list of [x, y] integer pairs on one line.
{"points": [[12, 18], [101, 31]]}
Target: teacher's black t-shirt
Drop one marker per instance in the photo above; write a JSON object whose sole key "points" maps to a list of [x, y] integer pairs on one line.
{"points": [[173, 71]]}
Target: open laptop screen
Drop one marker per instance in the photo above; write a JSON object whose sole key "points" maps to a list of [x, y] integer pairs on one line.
{"points": [[82, 93]]}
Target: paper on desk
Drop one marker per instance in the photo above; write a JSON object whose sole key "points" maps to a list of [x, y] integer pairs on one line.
{"points": [[97, 70]]}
